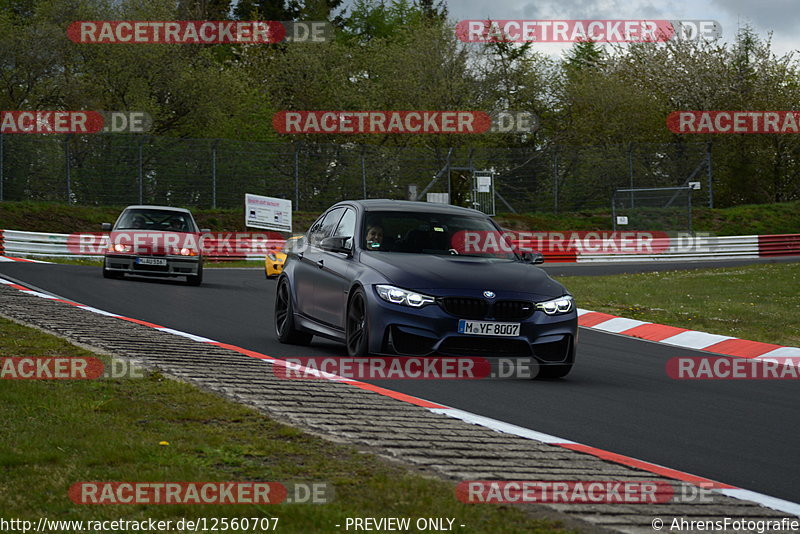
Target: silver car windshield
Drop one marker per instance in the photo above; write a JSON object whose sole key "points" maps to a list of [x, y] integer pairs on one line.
{"points": [[156, 220]]}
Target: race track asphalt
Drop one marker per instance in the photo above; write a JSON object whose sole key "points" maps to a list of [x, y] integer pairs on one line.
{"points": [[617, 398]]}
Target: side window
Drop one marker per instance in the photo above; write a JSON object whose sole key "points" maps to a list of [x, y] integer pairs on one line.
{"points": [[314, 230], [347, 227], [324, 226]]}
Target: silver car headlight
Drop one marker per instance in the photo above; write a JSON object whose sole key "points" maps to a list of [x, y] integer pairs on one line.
{"points": [[404, 297], [557, 306]]}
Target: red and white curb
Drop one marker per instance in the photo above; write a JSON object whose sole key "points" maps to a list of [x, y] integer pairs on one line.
{"points": [[487, 422], [682, 337], [6, 259]]}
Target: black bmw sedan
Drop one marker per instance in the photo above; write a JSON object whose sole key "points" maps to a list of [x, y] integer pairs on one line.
{"points": [[404, 278]]}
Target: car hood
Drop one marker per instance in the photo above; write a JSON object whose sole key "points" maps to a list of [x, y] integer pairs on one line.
{"points": [[436, 272]]}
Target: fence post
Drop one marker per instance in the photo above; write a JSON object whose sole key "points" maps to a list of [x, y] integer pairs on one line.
{"points": [[555, 181], [630, 169], [2, 161], [710, 176], [449, 181], [66, 162], [614, 210], [214, 174], [363, 173], [141, 174], [297, 176]]}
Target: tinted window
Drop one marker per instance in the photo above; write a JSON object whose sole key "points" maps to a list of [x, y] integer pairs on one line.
{"points": [[434, 233], [347, 227], [324, 226]]}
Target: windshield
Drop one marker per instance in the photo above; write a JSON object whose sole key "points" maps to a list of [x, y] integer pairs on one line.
{"points": [[156, 220], [435, 233]]}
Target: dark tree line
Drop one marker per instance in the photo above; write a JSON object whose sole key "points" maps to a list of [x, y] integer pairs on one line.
{"points": [[403, 54]]}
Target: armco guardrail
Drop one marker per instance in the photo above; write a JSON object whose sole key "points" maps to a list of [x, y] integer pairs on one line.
{"points": [[563, 249], [40, 244], [687, 247]]}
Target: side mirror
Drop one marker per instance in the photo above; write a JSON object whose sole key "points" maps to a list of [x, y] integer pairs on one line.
{"points": [[205, 230], [335, 244], [106, 227], [534, 258]]}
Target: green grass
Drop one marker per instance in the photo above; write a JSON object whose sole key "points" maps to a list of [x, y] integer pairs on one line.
{"points": [[782, 218], [756, 302], [778, 218], [65, 219], [56, 433]]}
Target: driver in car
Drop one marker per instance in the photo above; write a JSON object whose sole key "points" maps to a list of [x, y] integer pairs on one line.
{"points": [[176, 225], [138, 222], [374, 236]]}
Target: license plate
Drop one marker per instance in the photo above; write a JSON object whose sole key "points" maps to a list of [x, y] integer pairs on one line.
{"points": [[487, 328], [152, 261]]}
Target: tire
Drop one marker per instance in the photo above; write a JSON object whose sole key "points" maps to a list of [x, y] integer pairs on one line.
{"points": [[195, 279], [554, 371], [357, 325], [284, 317]]}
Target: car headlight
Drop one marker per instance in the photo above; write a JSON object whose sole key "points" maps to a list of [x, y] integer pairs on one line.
{"points": [[557, 306], [119, 247], [185, 251], [272, 256], [404, 297]]}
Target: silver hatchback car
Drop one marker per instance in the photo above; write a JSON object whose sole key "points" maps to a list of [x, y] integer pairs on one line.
{"points": [[159, 241]]}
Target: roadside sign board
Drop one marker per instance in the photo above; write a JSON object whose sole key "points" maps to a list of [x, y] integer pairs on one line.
{"points": [[267, 213]]}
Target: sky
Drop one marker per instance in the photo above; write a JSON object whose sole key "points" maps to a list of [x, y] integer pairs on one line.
{"points": [[781, 17]]}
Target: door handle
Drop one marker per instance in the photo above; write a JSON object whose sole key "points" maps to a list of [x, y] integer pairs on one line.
{"points": [[300, 255], [321, 264]]}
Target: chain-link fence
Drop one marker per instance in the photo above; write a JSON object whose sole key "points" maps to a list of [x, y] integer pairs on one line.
{"points": [[129, 169]]}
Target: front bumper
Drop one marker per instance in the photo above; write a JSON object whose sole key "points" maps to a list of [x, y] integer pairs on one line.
{"points": [[176, 265], [430, 330]]}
